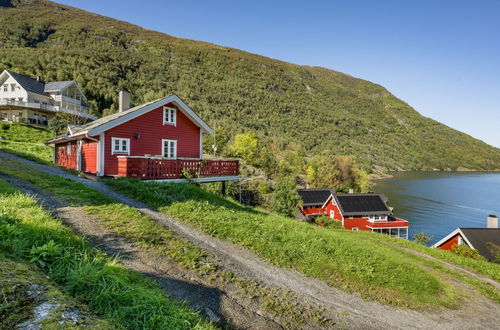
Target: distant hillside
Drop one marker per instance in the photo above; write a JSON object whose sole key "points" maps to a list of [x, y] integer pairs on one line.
{"points": [[316, 108]]}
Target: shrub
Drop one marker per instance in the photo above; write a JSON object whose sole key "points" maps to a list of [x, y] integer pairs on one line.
{"points": [[466, 251], [5, 126], [422, 238], [285, 197]]}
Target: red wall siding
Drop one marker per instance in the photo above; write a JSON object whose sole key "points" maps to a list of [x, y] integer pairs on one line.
{"points": [[312, 210], [63, 158], [150, 127], [331, 207], [356, 222], [452, 241], [89, 157]]}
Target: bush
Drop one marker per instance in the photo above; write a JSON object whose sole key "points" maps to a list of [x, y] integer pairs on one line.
{"points": [[328, 222], [5, 126], [466, 251], [285, 197], [422, 238]]}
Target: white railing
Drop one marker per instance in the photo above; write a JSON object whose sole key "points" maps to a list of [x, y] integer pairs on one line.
{"points": [[47, 107]]}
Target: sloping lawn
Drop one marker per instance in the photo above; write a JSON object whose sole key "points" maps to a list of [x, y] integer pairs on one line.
{"points": [[26, 141], [345, 259], [123, 297]]}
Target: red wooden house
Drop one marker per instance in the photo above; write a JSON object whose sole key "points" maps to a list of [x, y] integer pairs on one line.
{"points": [[368, 212], [159, 140], [485, 240]]}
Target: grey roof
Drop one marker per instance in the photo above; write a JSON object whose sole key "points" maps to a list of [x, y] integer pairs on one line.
{"points": [[482, 240], [104, 120], [29, 84], [314, 196], [54, 86], [362, 204]]}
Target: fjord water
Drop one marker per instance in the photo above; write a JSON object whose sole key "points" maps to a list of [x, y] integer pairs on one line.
{"points": [[439, 202]]}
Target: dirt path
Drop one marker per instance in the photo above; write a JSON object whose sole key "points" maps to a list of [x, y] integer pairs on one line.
{"points": [[477, 312]]}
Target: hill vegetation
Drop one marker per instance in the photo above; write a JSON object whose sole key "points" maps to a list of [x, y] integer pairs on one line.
{"points": [[315, 112]]}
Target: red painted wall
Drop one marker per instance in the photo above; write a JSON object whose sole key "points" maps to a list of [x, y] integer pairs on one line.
{"points": [[152, 131], [313, 210], [89, 157], [356, 222], [452, 241], [330, 207], [63, 158]]}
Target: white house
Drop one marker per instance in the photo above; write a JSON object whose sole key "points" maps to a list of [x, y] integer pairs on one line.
{"points": [[28, 100]]}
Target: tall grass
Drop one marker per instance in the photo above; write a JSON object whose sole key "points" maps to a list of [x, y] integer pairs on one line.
{"points": [[26, 141], [125, 298]]}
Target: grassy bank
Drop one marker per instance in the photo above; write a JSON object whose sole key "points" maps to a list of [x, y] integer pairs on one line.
{"points": [[341, 258], [26, 141], [125, 299]]}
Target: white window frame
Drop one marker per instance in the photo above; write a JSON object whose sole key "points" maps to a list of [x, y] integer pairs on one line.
{"points": [[460, 240], [12, 87], [120, 143], [6, 87], [355, 228], [172, 116], [332, 214], [169, 156]]}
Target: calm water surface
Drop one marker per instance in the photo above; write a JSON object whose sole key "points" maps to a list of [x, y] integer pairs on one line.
{"points": [[439, 202]]}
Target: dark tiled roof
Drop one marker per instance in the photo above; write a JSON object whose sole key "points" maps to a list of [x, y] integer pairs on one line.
{"points": [[480, 237], [362, 204], [104, 120], [314, 196], [29, 84]]}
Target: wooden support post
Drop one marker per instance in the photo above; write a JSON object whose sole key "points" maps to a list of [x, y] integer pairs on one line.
{"points": [[223, 188]]}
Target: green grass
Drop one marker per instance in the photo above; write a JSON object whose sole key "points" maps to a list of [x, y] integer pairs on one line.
{"points": [[344, 259], [126, 299], [26, 141], [74, 192]]}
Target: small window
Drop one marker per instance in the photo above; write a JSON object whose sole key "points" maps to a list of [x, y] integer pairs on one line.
{"points": [[5, 88], [332, 214], [169, 116], [460, 240], [12, 87], [20, 99], [68, 149], [169, 149], [120, 146], [355, 228]]}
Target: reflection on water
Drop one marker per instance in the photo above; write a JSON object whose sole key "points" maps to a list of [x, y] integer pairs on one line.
{"points": [[439, 202]]}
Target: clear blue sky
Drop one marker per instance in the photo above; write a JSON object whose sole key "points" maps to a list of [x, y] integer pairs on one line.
{"points": [[441, 56]]}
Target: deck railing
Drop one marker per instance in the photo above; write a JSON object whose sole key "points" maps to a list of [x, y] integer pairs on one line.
{"points": [[149, 168]]}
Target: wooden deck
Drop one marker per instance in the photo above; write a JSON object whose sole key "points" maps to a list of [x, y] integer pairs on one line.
{"points": [[150, 168]]}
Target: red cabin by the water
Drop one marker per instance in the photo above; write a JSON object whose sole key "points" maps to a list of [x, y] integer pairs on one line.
{"points": [[368, 212], [159, 140]]}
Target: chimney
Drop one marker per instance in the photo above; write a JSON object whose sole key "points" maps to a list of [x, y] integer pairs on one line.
{"points": [[123, 101], [492, 221], [351, 191], [38, 78]]}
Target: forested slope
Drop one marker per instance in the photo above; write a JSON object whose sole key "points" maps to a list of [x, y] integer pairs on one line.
{"points": [[289, 106]]}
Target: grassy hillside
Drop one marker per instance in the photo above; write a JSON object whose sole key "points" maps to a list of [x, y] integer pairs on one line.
{"points": [[26, 141], [124, 298], [315, 108]]}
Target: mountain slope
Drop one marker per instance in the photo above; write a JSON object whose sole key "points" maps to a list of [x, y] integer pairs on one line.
{"points": [[319, 109]]}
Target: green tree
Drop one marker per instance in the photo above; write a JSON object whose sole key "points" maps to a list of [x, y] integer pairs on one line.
{"points": [[285, 197], [245, 145], [422, 238]]}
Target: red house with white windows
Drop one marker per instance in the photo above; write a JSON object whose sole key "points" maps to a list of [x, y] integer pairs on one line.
{"points": [[159, 140], [368, 212]]}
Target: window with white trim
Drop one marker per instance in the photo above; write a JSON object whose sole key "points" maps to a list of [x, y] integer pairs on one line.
{"points": [[169, 149], [12, 87], [5, 88], [460, 240], [120, 146], [355, 228], [169, 116], [332, 214]]}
